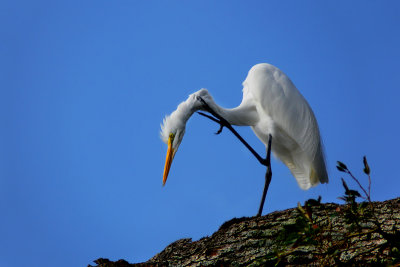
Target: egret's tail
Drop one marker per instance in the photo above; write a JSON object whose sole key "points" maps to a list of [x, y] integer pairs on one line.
{"points": [[307, 173]]}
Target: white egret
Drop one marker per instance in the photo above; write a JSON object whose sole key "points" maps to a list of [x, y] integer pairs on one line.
{"points": [[275, 110]]}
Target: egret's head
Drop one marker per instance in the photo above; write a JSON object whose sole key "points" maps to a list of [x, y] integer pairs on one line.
{"points": [[172, 131], [173, 126]]}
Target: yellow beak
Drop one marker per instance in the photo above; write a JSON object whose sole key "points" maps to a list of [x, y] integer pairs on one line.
{"points": [[168, 160]]}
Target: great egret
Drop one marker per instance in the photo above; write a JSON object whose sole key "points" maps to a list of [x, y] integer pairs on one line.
{"points": [[275, 110]]}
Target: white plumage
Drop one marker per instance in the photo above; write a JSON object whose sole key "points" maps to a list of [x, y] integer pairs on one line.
{"points": [[271, 105]]}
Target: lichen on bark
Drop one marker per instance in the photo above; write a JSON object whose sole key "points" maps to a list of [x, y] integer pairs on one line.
{"points": [[316, 235]]}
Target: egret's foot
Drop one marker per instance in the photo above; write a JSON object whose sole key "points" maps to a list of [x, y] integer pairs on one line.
{"points": [[213, 119], [224, 123], [217, 118]]}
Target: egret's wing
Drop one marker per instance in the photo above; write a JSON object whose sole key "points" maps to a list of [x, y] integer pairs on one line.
{"points": [[294, 121]]}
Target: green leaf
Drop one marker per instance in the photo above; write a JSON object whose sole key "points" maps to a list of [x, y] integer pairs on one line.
{"points": [[341, 165], [340, 169], [366, 166], [345, 186], [313, 202], [354, 193]]}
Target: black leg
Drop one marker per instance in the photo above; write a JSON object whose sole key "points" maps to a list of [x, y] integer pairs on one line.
{"points": [[223, 123], [268, 177], [266, 162]]}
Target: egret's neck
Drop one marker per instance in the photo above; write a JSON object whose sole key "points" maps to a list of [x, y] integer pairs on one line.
{"points": [[244, 114], [185, 110]]}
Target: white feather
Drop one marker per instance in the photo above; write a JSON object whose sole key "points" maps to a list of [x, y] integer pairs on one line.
{"points": [[271, 104]]}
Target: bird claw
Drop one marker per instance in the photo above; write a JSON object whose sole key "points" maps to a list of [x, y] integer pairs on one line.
{"points": [[199, 98], [218, 119], [220, 128]]}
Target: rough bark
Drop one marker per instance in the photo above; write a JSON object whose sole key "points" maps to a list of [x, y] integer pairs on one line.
{"points": [[325, 234]]}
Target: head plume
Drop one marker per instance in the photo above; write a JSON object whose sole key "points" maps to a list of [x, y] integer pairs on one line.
{"points": [[171, 124]]}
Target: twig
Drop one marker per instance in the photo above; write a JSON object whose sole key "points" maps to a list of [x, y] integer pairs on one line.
{"points": [[359, 184]]}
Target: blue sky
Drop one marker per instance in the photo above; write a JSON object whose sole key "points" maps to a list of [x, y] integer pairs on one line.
{"points": [[84, 86]]}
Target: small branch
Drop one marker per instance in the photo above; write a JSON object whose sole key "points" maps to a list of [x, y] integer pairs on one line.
{"points": [[359, 184], [369, 187], [363, 233]]}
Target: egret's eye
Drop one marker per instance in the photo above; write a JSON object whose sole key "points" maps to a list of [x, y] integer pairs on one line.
{"points": [[171, 137]]}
